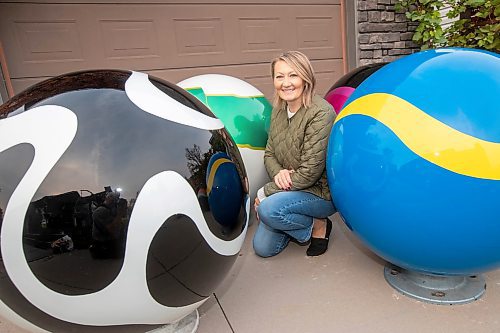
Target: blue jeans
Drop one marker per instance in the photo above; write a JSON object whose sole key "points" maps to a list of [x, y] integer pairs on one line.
{"points": [[286, 215]]}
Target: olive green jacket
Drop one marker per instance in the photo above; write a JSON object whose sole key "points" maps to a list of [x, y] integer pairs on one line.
{"points": [[300, 144]]}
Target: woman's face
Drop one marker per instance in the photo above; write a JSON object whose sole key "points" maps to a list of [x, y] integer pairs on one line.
{"points": [[288, 83]]}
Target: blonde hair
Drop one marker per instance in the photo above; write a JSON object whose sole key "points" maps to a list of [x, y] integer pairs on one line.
{"points": [[299, 62]]}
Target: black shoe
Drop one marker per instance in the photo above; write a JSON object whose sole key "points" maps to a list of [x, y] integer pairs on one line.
{"points": [[320, 245]]}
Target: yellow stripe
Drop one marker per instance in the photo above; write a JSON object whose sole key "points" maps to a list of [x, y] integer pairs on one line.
{"points": [[250, 147], [429, 138], [213, 170]]}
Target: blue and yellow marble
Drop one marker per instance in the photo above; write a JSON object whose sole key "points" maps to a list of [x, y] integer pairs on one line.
{"points": [[414, 162]]}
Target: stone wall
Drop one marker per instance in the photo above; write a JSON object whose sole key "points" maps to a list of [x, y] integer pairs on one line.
{"points": [[383, 33]]}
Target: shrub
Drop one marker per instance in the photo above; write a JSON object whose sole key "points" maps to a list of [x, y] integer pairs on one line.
{"points": [[476, 23]]}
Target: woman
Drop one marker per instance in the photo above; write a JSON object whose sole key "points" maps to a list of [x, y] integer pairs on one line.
{"points": [[296, 204]]}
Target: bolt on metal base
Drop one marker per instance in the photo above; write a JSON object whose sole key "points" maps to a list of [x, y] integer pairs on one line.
{"points": [[436, 289], [188, 324]]}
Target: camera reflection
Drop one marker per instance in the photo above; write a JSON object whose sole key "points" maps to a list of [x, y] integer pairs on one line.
{"points": [[109, 222], [65, 222]]}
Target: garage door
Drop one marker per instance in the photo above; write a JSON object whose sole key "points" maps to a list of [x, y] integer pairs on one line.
{"points": [[170, 40]]}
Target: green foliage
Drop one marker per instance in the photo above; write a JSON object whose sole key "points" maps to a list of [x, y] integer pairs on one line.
{"points": [[429, 33], [476, 23]]}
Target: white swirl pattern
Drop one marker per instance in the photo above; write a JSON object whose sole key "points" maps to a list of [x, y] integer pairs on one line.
{"points": [[152, 100], [51, 129]]}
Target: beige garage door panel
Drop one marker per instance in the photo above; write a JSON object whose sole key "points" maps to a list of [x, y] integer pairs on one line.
{"points": [[168, 38], [49, 39], [327, 72]]}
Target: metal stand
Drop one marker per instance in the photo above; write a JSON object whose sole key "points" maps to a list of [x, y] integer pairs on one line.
{"points": [[437, 289], [188, 324]]}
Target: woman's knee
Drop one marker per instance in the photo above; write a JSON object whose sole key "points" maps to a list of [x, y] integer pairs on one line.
{"points": [[266, 241], [262, 249]]}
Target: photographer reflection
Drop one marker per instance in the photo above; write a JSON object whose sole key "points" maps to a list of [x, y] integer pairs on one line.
{"points": [[108, 228]]}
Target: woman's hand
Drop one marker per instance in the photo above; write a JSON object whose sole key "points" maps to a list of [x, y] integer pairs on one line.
{"points": [[283, 179]]}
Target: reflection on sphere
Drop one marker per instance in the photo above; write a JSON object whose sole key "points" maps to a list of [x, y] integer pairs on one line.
{"points": [[102, 173]]}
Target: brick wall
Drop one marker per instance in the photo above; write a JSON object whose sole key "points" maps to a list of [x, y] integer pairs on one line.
{"points": [[384, 34]]}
